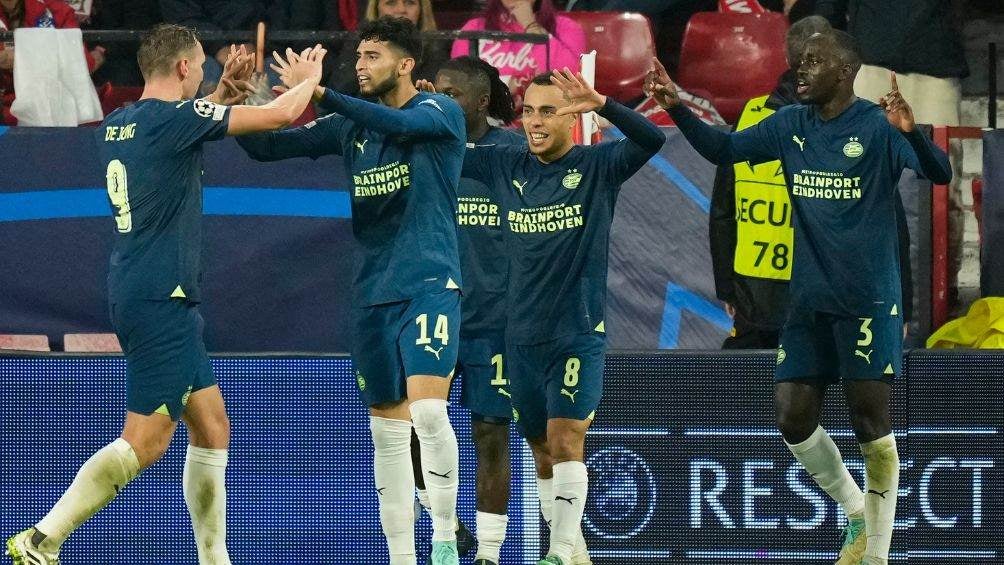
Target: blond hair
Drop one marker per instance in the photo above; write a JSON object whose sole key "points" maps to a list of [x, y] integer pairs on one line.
{"points": [[426, 21]]}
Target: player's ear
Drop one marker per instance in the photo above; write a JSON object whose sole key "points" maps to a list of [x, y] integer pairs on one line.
{"points": [[483, 102], [406, 66], [182, 67]]}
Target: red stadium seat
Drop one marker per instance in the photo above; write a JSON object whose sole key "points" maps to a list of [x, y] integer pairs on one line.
{"points": [[624, 48], [115, 97], [91, 343], [733, 56], [24, 342]]}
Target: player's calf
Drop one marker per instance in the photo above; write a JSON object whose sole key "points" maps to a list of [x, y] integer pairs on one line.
{"points": [[491, 442]]}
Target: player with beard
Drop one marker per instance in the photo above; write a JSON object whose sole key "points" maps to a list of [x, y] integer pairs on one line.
{"points": [[404, 155], [843, 158]]}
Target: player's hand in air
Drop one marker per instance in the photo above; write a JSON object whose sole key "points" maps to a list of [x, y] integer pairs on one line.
{"points": [[897, 111], [582, 97], [425, 86], [296, 68], [235, 83], [659, 86]]}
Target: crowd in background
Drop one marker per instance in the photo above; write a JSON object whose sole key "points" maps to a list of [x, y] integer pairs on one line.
{"points": [[915, 37]]}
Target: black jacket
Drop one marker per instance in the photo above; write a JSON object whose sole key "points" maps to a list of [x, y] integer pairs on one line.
{"points": [[763, 303], [906, 36]]}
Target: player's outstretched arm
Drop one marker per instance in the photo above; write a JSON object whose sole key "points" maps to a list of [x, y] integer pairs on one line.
{"points": [[426, 119], [716, 146], [287, 107], [932, 162]]}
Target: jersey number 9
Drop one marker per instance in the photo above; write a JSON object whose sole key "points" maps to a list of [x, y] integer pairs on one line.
{"points": [[118, 193]]}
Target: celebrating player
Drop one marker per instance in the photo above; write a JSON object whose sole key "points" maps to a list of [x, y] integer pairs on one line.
{"points": [[559, 201], [843, 158], [476, 87], [152, 152], [404, 155]]}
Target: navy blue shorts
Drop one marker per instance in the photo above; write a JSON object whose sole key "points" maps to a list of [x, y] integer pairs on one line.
{"points": [[561, 378], [395, 341], [826, 347], [166, 359], [482, 371]]}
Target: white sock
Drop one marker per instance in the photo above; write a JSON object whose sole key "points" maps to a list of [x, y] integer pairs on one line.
{"points": [[821, 458], [99, 479], [204, 485], [491, 535], [440, 464], [571, 483], [882, 473], [395, 484], [423, 498], [545, 490]]}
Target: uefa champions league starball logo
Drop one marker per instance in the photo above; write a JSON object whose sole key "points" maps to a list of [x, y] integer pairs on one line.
{"points": [[621, 494]]}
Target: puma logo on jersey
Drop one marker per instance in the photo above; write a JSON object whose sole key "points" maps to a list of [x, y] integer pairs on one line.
{"points": [[519, 186], [568, 500], [877, 493], [800, 142], [361, 146], [435, 352], [867, 357], [570, 395]]}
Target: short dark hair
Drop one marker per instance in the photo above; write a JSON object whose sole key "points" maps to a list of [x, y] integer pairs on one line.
{"points": [[799, 32], [847, 48], [399, 32], [500, 102], [543, 79], [162, 46]]}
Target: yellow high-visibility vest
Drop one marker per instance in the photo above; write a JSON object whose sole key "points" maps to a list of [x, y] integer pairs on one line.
{"points": [[764, 232]]}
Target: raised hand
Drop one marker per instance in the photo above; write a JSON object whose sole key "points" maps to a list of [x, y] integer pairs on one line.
{"points": [[425, 86], [296, 68], [659, 86], [235, 83], [582, 97], [897, 111]]}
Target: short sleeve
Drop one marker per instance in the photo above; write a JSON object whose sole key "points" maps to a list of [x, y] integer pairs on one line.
{"points": [[197, 121]]}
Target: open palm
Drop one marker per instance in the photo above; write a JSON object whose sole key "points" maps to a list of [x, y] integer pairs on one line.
{"points": [[581, 97]]}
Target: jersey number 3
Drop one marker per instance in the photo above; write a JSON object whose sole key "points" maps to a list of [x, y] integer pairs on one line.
{"points": [[118, 193]]}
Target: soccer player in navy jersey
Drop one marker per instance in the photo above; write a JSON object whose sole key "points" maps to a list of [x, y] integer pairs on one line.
{"points": [[152, 154], [404, 155], [558, 199], [843, 158], [475, 85]]}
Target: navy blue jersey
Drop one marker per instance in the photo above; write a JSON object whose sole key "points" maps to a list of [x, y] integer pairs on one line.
{"points": [[152, 156], [842, 174], [483, 258], [405, 166], [557, 217]]}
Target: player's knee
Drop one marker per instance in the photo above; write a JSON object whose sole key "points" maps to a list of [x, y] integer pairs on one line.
{"points": [[870, 425], [491, 442], [149, 449], [211, 433], [795, 425], [566, 444]]}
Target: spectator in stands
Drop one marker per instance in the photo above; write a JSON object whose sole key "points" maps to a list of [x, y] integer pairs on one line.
{"points": [[920, 40], [343, 79], [519, 62], [121, 68], [750, 224], [16, 14], [302, 15], [214, 15]]}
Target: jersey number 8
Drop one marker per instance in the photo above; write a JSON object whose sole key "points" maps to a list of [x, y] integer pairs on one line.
{"points": [[118, 193]]}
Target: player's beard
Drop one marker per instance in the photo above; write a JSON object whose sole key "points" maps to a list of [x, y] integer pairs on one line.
{"points": [[380, 88]]}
